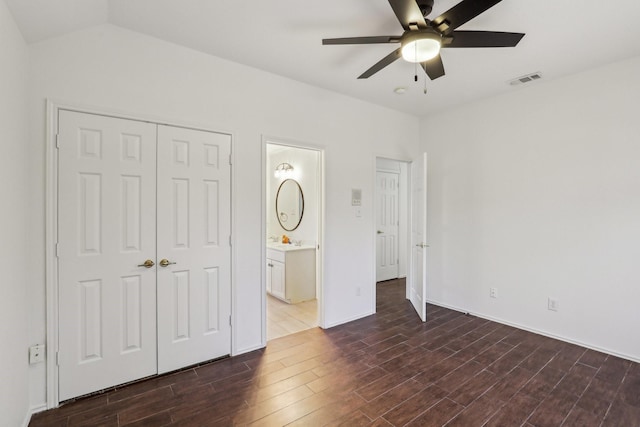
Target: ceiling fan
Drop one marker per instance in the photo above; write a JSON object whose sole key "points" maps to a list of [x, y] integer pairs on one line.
{"points": [[423, 38]]}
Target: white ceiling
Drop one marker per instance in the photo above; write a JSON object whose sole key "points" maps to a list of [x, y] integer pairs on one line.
{"points": [[284, 37]]}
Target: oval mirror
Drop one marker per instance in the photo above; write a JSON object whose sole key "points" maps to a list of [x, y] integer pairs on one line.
{"points": [[289, 204]]}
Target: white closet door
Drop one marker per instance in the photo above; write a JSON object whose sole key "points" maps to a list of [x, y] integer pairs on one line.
{"points": [[194, 227], [106, 211], [387, 199]]}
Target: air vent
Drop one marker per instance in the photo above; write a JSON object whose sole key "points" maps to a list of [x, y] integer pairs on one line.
{"points": [[525, 79]]}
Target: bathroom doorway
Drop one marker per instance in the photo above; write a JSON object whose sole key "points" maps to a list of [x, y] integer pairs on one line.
{"points": [[293, 218]]}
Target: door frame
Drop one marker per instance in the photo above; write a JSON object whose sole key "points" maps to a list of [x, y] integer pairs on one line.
{"points": [[406, 236], [53, 107], [266, 139]]}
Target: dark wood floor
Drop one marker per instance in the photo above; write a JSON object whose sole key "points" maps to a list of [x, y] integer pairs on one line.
{"points": [[386, 369]]}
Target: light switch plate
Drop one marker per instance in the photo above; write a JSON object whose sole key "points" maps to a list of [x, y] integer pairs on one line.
{"points": [[356, 197]]}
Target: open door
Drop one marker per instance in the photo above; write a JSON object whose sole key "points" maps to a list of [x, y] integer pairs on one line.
{"points": [[419, 248]]}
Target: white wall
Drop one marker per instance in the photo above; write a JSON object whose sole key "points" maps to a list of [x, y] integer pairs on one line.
{"points": [[117, 69], [537, 193], [14, 320]]}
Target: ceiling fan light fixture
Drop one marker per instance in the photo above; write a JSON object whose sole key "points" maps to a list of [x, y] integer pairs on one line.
{"points": [[420, 46]]}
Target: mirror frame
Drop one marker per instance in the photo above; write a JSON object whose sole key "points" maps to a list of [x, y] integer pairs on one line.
{"points": [[301, 207]]}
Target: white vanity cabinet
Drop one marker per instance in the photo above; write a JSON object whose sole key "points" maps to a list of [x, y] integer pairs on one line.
{"points": [[291, 273]]}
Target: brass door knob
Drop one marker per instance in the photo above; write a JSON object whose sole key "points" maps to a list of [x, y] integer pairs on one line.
{"points": [[147, 264], [165, 262]]}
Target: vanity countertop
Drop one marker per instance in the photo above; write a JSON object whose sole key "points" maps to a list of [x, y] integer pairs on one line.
{"points": [[284, 247]]}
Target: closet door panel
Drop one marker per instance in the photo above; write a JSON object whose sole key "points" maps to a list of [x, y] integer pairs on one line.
{"points": [[106, 229], [194, 226]]}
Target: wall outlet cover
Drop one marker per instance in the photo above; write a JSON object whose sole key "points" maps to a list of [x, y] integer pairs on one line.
{"points": [[36, 354]]}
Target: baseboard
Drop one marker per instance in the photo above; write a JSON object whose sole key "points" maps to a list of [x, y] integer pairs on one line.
{"points": [[537, 331], [342, 322], [33, 410], [247, 350]]}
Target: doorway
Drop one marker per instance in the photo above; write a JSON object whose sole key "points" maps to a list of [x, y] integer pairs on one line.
{"points": [[391, 218], [406, 182], [293, 212]]}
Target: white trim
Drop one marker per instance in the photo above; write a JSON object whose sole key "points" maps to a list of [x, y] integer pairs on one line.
{"points": [[234, 258], [31, 412], [266, 139], [53, 107], [127, 115], [350, 319], [321, 236], [263, 244], [374, 272], [536, 331], [248, 349], [51, 265]]}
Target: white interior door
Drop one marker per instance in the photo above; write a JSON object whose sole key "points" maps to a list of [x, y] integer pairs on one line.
{"points": [[133, 193], [387, 223], [419, 248], [194, 229], [106, 228]]}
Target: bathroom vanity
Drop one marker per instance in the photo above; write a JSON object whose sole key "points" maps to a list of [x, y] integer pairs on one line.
{"points": [[291, 272]]}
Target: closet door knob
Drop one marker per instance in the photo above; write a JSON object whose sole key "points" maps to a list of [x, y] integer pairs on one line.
{"points": [[147, 264], [165, 262]]}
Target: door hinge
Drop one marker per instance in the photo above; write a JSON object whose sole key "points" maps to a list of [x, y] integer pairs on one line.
{"points": [[229, 320], [57, 140], [57, 358], [57, 250], [230, 241], [230, 161]]}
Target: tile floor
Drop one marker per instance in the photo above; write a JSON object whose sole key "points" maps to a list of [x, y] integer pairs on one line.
{"points": [[388, 369], [285, 319]]}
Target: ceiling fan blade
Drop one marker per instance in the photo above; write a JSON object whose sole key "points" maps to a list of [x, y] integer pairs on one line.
{"points": [[362, 40], [433, 67], [381, 64], [482, 39], [463, 12], [408, 12]]}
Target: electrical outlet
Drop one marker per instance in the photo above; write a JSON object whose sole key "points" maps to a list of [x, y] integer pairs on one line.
{"points": [[553, 304], [493, 292], [36, 354]]}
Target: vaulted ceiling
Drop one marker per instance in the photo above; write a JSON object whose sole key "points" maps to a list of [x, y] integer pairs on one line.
{"points": [[284, 37]]}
